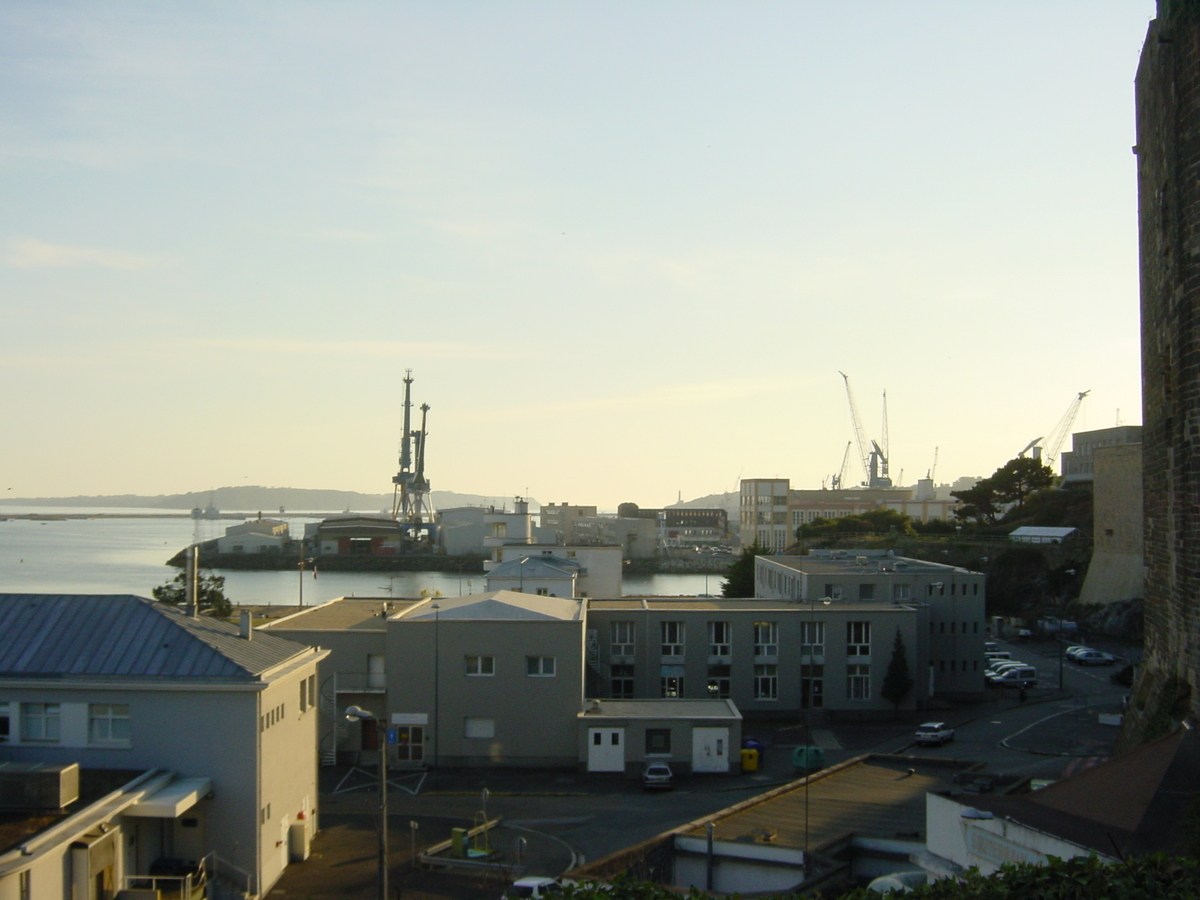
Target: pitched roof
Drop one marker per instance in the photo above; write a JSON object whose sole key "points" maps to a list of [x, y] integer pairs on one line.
{"points": [[497, 605], [120, 636], [536, 567]]}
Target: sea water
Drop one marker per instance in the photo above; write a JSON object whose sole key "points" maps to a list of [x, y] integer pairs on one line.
{"points": [[128, 554]]}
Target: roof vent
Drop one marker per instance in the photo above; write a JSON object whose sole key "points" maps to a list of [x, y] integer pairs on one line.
{"points": [[244, 629]]}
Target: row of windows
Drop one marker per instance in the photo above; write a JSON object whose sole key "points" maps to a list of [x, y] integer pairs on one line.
{"points": [[535, 666], [940, 628], [672, 639], [765, 687], [41, 723]]}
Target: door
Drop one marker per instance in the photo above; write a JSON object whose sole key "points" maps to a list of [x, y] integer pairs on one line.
{"points": [[710, 749], [606, 749]]}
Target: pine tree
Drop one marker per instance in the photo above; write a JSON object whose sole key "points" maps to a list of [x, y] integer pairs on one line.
{"points": [[897, 682]]}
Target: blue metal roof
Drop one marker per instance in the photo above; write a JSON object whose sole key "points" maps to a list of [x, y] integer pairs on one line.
{"points": [[125, 637]]}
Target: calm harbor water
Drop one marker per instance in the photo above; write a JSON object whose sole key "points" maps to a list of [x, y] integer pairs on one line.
{"points": [[128, 555]]}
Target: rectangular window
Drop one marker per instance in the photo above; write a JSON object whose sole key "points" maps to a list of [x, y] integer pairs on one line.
{"points": [[901, 591], [5, 733], [812, 638], [108, 723], [672, 638], [481, 665], [303, 695], [543, 592], [479, 728], [833, 591], [766, 638], [718, 682], [718, 639], [858, 638], [866, 592], [40, 722], [858, 682], [312, 690], [622, 682], [539, 666], [766, 683], [812, 687], [621, 643], [658, 741]]}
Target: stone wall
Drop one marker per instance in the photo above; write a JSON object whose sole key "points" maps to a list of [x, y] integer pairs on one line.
{"points": [[1168, 171]]}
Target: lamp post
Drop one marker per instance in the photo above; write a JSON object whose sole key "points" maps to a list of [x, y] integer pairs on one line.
{"points": [[437, 744], [413, 825], [358, 714], [807, 701]]}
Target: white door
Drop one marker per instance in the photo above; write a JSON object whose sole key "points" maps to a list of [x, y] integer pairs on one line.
{"points": [[710, 749], [606, 749]]}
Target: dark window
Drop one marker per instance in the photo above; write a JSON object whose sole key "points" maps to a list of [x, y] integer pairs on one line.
{"points": [[658, 741]]}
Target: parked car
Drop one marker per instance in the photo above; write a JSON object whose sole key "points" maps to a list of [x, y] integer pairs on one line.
{"points": [[657, 776], [990, 647], [1074, 649], [1001, 665], [935, 733], [533, 887], [1094, 658], [1015, 676]]}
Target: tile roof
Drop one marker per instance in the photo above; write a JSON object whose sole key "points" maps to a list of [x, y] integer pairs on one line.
{"points": [[120, 636]]}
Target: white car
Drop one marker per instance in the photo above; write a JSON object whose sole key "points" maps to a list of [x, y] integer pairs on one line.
{"points": [[1094, 658], [935, 733], [533, 886], [657, 776]]}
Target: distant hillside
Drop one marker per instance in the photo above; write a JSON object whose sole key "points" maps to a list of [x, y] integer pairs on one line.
{"points": [[730, 502], [255, 498]]}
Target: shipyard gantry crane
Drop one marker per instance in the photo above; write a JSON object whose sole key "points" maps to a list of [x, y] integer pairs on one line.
{"points": [[409, 504]]}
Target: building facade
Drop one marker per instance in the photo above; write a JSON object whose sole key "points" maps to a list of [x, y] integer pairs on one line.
{"points": [[124, 683]]}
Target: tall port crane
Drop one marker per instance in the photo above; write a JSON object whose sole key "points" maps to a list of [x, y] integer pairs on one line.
{"points": [[411, 486], [838, 480], [1047, 447], [874, 458]]}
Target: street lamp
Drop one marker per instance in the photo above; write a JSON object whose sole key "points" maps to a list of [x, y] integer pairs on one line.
{"points": [[807, 701], [358, 714], [413, 825], [437, 744]]}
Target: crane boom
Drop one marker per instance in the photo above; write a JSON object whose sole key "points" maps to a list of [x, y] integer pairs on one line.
{"points": [[863, 452], [1059, 434]]}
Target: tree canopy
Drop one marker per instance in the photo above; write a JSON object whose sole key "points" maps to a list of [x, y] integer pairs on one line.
{"points": [[873, 521], [1011, 484], [897, 682], [739, 577], [210, 588]]}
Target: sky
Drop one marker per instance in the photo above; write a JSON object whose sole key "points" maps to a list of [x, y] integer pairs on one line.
{"points": [[625, 247]]}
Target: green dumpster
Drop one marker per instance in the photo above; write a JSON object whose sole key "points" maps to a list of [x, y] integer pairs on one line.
{"points": [[749, 760], [808, 759]]}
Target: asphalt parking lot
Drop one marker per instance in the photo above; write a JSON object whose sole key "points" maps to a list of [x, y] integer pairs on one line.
{"points": [[554, 820]]}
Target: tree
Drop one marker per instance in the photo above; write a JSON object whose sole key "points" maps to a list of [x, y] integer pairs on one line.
{"points": [[739, 577], [209, 587], [897, 682], [978, 503], [1020, 477]]}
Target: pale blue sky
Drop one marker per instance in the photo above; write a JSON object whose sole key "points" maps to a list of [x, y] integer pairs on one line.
{"points": [[624, 247]]}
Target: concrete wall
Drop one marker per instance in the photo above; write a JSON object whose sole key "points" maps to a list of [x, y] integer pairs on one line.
{"points": [[1116, 570], [533, 716]]}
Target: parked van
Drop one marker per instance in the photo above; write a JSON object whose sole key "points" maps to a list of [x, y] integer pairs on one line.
{"points": [[994, 655], [990, 647], [1016, 676]]}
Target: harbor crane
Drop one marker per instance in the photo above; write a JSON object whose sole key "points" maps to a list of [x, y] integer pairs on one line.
{"points": [[1048, 447], [838, 480], [409, 503], [874, 458]]}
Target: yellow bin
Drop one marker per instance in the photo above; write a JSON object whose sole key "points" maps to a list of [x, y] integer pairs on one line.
{"points": [[750, 760]]}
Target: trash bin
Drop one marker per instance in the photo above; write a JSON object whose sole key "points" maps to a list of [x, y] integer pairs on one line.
{"points": [[749, 760], [458, 842], [808, 759]]}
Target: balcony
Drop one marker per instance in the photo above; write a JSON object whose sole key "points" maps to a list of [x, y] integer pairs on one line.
{"points": [[360, 682]]}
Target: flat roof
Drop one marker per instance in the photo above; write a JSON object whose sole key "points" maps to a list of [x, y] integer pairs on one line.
{"points": [[836, 565], [870, 796], [660, 709], [342, 614], [668, 604]]}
